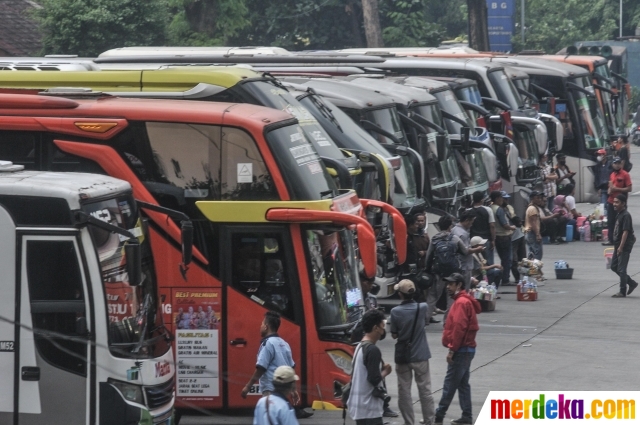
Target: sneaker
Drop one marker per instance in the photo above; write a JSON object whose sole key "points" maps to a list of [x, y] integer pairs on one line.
{"points": [[432, 320], [461, 421], [388, 413], [632, 285], [607, 244], [438, 311], [303, 414], [618, 295]]}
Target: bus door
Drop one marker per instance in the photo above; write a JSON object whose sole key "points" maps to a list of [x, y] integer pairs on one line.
{"points": [[53, 354], [259, 274]]}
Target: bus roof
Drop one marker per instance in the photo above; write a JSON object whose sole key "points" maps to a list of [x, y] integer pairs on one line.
{"points": [[342, 93], [589, 62], [419, 51], [400, 94], [539, 63], [113, 109], [72, 187]]}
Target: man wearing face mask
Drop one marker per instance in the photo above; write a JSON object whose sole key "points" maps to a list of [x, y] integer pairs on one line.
{"points": [[459, 336], [366, 399], [602, 172]]}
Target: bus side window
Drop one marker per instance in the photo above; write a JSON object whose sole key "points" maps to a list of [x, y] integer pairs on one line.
{"points": [[244, 173], [57, 302], [259, 270]]}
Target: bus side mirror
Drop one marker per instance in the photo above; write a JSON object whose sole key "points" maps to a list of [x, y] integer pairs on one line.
{"points": [[465, 133], [187, 242], [441, 147], [133, 254]]}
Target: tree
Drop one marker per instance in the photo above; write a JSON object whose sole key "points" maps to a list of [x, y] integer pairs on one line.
{"points": [[478, 27], [206, 22], [405, 24], [372, 23], [89, 27]]}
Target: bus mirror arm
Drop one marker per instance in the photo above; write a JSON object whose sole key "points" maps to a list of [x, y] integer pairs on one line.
{"points": [[620, 77], [495, 102], [422, 120], [528, 94], [132, 247], [370, 126], [186, 231], [399, 226]]}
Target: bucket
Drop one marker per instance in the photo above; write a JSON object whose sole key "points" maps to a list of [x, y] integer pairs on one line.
{"points": [[564, 273], [605, 234], [580, 220], [569, 236], [608, 255]]}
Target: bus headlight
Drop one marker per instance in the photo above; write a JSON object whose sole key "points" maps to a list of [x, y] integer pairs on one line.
{"points": [[130, 392], [342, 360]]}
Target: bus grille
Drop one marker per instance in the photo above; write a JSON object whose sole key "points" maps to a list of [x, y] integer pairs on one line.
{"points": [[159, 395]]}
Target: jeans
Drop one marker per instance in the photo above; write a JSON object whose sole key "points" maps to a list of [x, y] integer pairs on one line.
{"points": [[550, 204], [533, 245], [433, 295], [405, 374], [603, 197], [519, 252], [619, 266], [503, 246], [488, 253], [611, 220], [457, 379]]}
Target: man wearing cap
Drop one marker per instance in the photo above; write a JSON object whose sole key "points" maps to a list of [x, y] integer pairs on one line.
{"points": [[619, 182], [623, 239], [461, 230], [407, 325], [274, 408], [459, 336], [532, 230], [602, 173], [504, 231]]}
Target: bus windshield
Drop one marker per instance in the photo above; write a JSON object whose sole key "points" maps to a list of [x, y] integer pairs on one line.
{"points": [[299, 162], [525, 141], [473, 174], [135, 319], [271, 95], [445, 173], [590, 115], [470, 94], [334, 269], [449, 103], [388, 120], [505, 90]]}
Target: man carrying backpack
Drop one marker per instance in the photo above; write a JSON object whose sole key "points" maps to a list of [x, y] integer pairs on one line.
{"points": [[484, 224], [443, 259]]}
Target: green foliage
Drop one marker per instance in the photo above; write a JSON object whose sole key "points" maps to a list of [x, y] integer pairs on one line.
{"points": [[554, 24], [89, 27], [634, 102], [405, 24], [206, 22]]}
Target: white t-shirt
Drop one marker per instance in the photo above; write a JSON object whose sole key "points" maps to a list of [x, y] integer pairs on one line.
{"points": [[571, 202]]}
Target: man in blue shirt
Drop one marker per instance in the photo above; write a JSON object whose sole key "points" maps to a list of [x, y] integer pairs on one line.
{"points": [[273, 352], [274, 408]]}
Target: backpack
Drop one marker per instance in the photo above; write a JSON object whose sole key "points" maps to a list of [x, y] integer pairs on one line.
{"points": [[445, 259]]}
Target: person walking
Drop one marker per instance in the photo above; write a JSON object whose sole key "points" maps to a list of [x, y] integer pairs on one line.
{"points": [[274, 408], [549, 178], [532, 229], [459, 336], [272, 353], [365, 403], [504, 230], [461, 230], [412, 352], [484, 224], [623, 239], [619, 182]]}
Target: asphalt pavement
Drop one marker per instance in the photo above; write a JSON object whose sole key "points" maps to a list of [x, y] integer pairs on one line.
{"points": [[574, 337]]}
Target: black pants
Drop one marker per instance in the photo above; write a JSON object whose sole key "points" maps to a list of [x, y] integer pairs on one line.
{"points": [[505, 252], [555, 228], [619, 265], [519, 252], [611, 221]]}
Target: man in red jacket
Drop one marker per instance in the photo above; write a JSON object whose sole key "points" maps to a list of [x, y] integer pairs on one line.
{"points": [[459, 336]]}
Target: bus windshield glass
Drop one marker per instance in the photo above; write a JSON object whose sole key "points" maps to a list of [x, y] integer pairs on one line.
{"points": [[505, 90], [271, 95], [449, 103], [473, 174], [469, 94], [590, 115], [388, 120], [405, 191], [334, 269], [299, 162], [525, 141], [135, 319]]}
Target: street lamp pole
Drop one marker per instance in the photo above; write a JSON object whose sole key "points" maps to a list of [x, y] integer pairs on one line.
{"points": [[522, 19], [620, 18]]}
